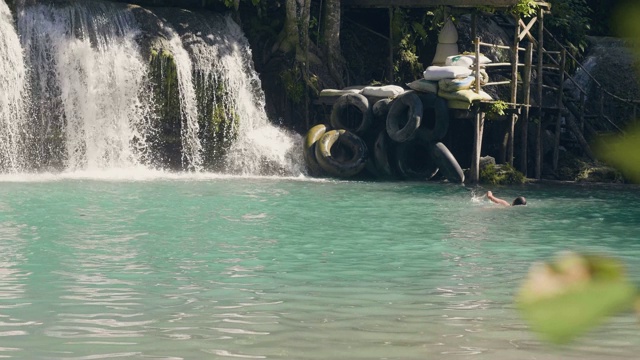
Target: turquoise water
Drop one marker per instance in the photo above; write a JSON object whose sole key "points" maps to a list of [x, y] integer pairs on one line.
{"points": [[208, 267]]}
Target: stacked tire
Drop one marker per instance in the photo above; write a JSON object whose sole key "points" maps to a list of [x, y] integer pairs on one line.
{"points": [[388, 138]]}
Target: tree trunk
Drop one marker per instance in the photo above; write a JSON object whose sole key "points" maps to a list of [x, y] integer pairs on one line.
{"points": [[289, 38], [330, 39]]}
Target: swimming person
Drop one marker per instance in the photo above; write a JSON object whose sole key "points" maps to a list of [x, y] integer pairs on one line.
{"points": [[520, 200]]}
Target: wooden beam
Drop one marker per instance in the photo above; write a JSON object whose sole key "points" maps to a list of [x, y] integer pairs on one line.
{"points": [[540, 77], [477, 145], [526, 91], [556, 145], [514, 93], [526, 28], [428, 3], [391, 75]]}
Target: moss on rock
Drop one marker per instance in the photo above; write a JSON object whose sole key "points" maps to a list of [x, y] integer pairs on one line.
{"points": [[167, 142], [217, 119], [501, 175]]}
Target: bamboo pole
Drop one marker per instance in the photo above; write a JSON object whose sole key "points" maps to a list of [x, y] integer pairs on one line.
{"points": [[582, 105], [514, 91], [601, 105], [478, 123], [391, 77], [476, 64], [526, 89], [540, 80], [477, 144], [556, 144]]}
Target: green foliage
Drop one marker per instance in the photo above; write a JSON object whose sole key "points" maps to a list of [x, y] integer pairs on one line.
{"points": [[566, 297], [408, 33], [501, 175], [525, 8], [407, 65], [496, 109], [486, 9], [293, 83], [569, 22]]}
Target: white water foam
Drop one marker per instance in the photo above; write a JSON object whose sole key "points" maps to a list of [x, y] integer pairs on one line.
{"points": [[13, 95], [88, 69], [94, 108], [142, 174], [191, 145], [222, 55]]}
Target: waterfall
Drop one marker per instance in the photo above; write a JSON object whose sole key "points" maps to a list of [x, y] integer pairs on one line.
{"points": [[91, 83], [222, 60], [191, 145], [13, 95], [100, 102]]}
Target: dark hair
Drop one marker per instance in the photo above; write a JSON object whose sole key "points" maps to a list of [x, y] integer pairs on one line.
{"points": [[520, 200]]}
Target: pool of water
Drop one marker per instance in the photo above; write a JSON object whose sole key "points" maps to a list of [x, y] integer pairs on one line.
{"points": [[213, 267]]}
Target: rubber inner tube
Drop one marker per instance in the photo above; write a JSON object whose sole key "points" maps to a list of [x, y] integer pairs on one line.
{"points": [[435, 118], [404, 117], [381, 108], [341, 153], [447, 163], [381, 151], [313, 135], [414, 160], [351, 112]]}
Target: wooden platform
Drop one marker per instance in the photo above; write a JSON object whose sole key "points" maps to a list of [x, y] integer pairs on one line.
{"points": [[428, 3], [434, 3]]}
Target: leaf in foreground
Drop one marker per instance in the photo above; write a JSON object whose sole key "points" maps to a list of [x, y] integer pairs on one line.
{"points": [[563, 299]]}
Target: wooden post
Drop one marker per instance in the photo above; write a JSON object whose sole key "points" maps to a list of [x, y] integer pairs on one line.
{"points": [[556, 144], [477, 144], [391, 75], [476, 64], [540, 80], [526, 89], [514, 90], [582, 104], [601, 92]]}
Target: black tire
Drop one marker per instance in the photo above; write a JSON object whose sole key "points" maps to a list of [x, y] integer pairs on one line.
{"points": [[310, 140], [435, 117], [414, 160], [381, 108], [381, 151], [404, 117], [447, 163], [351, 112], [341, 153]]}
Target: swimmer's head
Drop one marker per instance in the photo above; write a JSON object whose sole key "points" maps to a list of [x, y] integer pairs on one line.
{"points": [[520, 200]]}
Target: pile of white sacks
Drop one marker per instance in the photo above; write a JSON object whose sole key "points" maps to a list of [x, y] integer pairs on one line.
{"points": [[452, 74]]}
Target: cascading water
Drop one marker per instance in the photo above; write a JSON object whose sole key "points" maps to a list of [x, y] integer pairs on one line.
{"points": [[223, 65], [100, 103], [13, 95], [91, 82], [191, 145]]}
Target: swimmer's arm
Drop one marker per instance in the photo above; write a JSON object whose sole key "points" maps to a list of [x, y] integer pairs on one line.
{"points": [[496, 200]]}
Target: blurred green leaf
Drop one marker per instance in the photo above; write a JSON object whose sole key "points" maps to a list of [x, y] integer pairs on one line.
{"points": [[622, 152], [564, 299], [626, 23]]}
